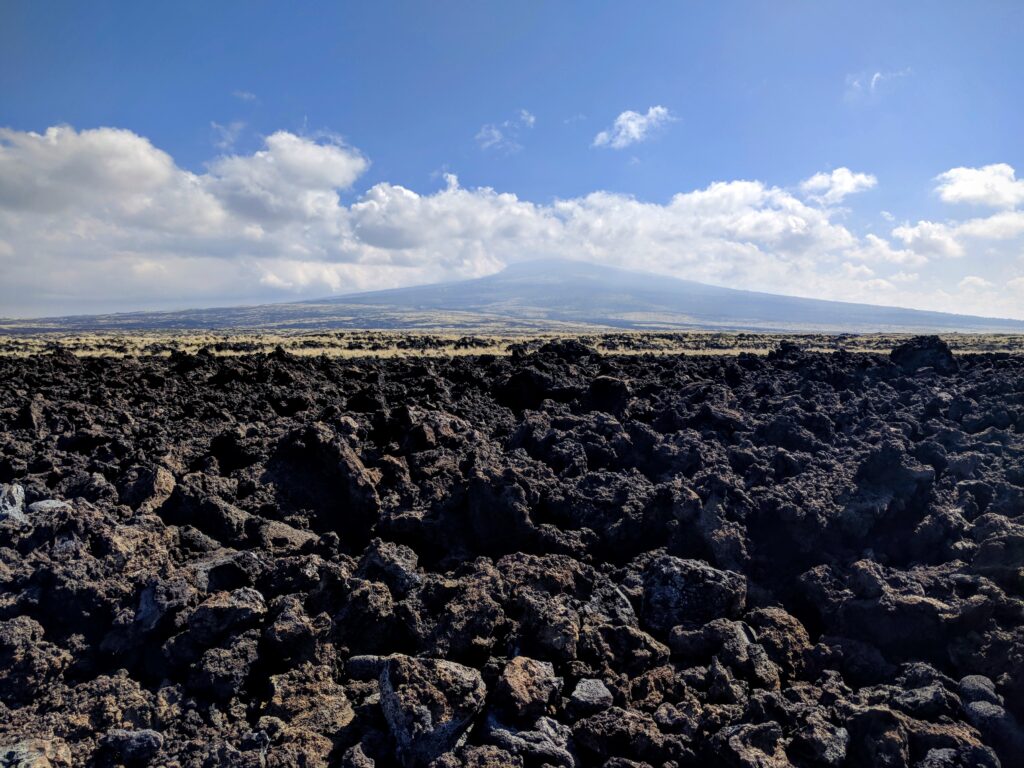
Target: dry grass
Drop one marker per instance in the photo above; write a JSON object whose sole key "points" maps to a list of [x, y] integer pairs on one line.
{"points": [[349, 344]]}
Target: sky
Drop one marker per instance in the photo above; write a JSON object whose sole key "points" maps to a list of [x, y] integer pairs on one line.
{"points": [[160, 156]]}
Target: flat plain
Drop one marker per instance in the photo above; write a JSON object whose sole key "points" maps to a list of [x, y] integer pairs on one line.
{"points": [[501, 339]]}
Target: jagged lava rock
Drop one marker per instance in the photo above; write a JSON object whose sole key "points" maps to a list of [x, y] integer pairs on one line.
{"points": [[922, 352], [552, 557], [428, 704], [690, 592]]}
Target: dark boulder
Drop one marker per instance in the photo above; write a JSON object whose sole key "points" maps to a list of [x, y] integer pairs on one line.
{"points": [[924, 352], [690, 592], [428, 704]]}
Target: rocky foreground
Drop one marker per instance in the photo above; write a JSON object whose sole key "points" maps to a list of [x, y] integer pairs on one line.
{"points": [[556, 558]]}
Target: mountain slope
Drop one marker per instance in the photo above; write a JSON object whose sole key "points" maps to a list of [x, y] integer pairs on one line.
{"points": [[570, 291], [550, 295]]}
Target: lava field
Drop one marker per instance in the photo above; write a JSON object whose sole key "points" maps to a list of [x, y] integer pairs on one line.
{"points": [[549, 558]]}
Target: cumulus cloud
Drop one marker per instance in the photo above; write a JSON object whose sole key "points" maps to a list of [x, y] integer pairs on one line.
{"points": [[832, 188], [291, 177], [1005, 225], [857, 270], [48, 171], [929, 238], [876, 249], [88, 218], [904, 277], [879, 285], [632, 127], [995, 186], [994, 236], [974, 282]]}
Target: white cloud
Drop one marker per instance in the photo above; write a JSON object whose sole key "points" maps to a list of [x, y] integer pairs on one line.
{"points": [[292, 176], [994, 185], [997, 236], [870, 84], [632, 127], [225, 136], [491, 136], [1004, 225], [505, 136], [878, 250], [114, 176], [857, 270], [973, 282], [831, 188], [904, 277], [878, 79], [244, 95], [49, 171], [90, 217], [929, 238]]}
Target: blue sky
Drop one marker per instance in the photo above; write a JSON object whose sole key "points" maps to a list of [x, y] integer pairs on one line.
{"points": [[511, 97]]}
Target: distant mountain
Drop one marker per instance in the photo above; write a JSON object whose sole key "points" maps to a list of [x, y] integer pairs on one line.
{"points": [[546, 295]]}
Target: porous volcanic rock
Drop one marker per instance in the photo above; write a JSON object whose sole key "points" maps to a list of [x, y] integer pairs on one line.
{"points": [[428, 703], [551, 558], [924, 351]]}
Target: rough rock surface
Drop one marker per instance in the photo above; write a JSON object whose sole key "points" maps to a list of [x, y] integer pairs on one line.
{"points": [[555, 558], [428, 704]]}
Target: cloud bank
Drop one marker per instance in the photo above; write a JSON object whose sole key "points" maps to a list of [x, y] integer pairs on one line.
{"points": [[101, 219]]}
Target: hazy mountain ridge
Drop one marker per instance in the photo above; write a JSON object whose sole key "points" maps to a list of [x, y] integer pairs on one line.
{"points": [[549, 295]]}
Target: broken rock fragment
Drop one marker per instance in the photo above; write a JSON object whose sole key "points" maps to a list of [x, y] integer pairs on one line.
{"points": [[527, 687], [690, 593], [428, 705], [589, 697], [12, 502], [134, 747]]}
